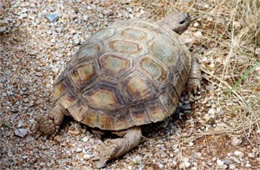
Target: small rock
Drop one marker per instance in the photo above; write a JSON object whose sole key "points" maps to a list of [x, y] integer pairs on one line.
{"points": [[232, 166], [161, 166], [52, 17], [87, 156], [137, 159], [212, 111], [20, 124], [21, 132], [239, 153], [85, 139], [26, 100], [227, 161], [196, 24], [248, 165], [191, 144], [185, 162], [3, 25], [39, 74], [236, 141], [251, 155], [85, 17], [235, 159], [198, 34], [76, 39], [220, 163], [79, 150], [22, 16], [163, 154]]}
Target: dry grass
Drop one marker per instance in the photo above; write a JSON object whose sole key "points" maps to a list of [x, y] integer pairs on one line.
{"points": [[231, 38]]}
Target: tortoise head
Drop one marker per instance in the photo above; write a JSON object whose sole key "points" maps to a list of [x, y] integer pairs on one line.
{"points": [[178, 22]]}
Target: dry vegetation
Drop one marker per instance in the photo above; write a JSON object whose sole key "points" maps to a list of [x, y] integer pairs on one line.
{"points": [[230, 31], [231, 36], [225, 36]]}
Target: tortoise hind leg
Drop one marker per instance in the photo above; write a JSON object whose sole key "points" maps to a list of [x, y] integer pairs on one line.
{"points": [[193, 83], [113, 148], [50, 123]]}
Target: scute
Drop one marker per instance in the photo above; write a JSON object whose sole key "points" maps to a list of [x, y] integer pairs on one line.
{"points": [[167, 103], [156, 111], [103, 97], [135, 34], [89, 50], [114, 64], [82, 75], [164, 52], [68, 99], [78, 110], [154, 69], [59, 89], [101, 35], [138, 88], [139, 116], [124, 46]]}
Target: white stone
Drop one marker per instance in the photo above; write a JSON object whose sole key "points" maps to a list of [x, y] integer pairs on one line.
{"points": [[236, 141], [79, 150], [85, 17], [196, 24], [232, 166], [251, 155], [238, 153], [21, 132], [186, 162], [248, 165], [220, 163], [85, 139], [198, 34]]}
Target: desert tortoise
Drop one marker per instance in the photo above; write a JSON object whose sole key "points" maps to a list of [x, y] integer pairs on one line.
{"points": [[129, 74]]}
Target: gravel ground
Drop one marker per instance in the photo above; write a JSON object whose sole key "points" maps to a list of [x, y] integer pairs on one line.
{"points": [[40, 38]]}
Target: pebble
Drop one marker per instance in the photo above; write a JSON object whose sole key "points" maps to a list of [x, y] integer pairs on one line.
{"points": [[196, 24], [76, 39], [40, 74], [20, 124], [198, 34], [79, 150], [21, 132], [185, 162], [251, 155], [235, 159], [85, 139], [212, 111], [248, 165], [232, 166], [85, 17], [53, 17], [227, 161], [235, 141], [3, 25], [239, 153]]}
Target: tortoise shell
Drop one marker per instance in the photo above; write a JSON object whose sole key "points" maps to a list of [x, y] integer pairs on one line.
{"points": [[129, 74]]}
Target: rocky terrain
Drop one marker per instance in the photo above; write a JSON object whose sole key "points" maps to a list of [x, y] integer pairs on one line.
{"points": [[219, 128]]}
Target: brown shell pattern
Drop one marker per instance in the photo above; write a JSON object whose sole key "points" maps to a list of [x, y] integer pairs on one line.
{"points": [[129, 74]]}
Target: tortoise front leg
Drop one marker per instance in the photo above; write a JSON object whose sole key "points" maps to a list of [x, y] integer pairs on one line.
{"points": [[50, 123], [193, 83], [113, 148]]}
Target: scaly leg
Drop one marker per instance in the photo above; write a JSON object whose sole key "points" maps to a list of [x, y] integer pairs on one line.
{"points": [[193, 83], [50, 123], [113, 148]]}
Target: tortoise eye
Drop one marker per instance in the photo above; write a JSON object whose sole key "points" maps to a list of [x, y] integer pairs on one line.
{"points": [[182, 22]]}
